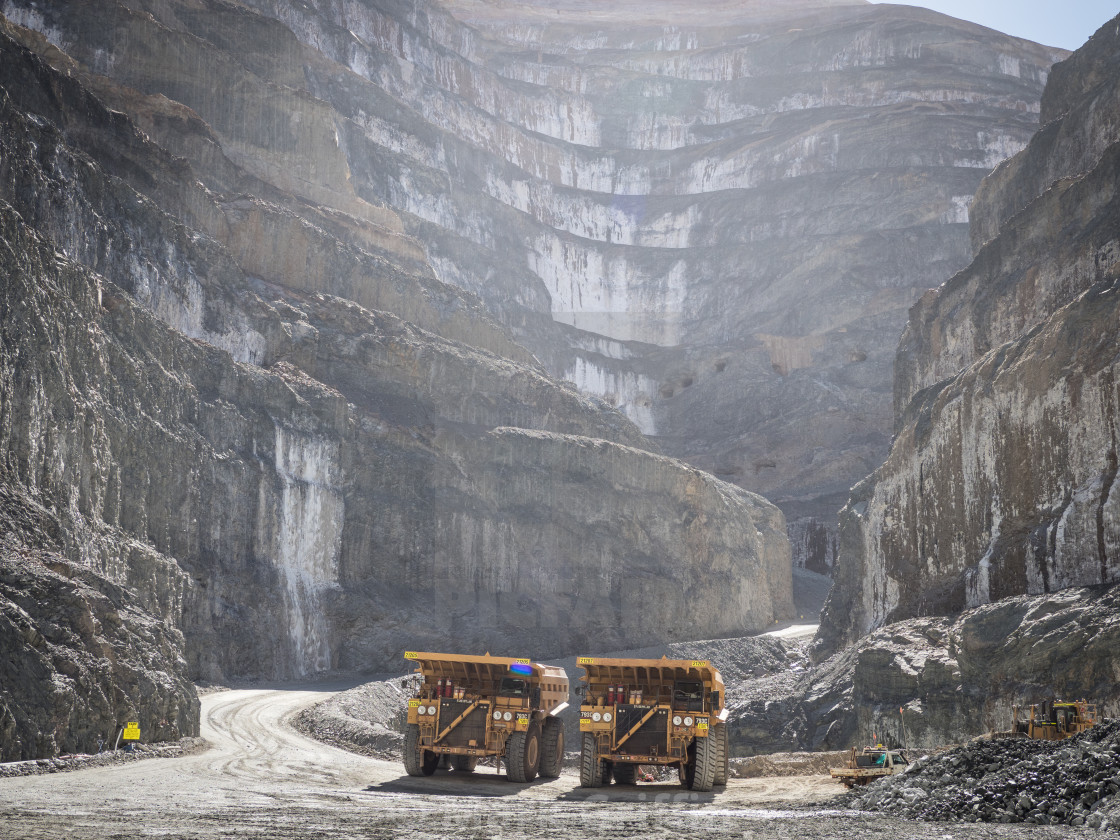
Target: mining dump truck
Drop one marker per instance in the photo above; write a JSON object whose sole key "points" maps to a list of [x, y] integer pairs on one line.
{"points": [[871, 764], [473, 706], [1054, 720], [653, 712]]}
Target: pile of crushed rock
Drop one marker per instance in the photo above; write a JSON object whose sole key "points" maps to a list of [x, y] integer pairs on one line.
{"points": [[1075, 782], [81, 761], [368, 720]]}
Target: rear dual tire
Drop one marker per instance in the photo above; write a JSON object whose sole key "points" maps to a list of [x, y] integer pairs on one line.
{"points": [[464, 763], [626, 774]]}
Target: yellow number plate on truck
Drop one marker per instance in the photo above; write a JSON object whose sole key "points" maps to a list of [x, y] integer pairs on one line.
{"points": [[585, 660]]}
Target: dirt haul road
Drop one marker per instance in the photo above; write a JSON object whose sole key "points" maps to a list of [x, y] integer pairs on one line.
{"points": [[261, 779]]}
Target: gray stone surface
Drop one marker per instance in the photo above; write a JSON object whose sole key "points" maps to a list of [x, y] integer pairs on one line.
{"points": [[953, 677], [715, 221], [194, 386], [1001, 477]]}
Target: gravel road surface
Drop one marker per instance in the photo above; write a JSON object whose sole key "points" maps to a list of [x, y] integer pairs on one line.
{"points": [[262, 779]]}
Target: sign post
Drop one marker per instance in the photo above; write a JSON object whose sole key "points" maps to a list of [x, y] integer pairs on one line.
{"points": [[131, 734]]}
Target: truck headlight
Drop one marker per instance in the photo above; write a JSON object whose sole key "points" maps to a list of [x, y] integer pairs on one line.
{"points": [[431, 710], [498, 714], [507, 716], [676, 720], [421, 710], [688, 720], [606, 717], [595, 716]]}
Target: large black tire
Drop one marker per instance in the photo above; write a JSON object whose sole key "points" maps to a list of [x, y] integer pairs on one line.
{"points": [[418, 761], [465, 763], [592, 772], [723, 770], [412, 759], [523, 754], [429, 763], [552, 748], [703, 775], [625, 774]]}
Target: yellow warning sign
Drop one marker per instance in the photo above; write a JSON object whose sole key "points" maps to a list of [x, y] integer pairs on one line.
{"points": [[132, 731]]}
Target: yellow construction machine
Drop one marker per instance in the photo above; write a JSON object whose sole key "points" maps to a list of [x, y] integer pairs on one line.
{"points": [[1053, 720], [653, 712], [473, 706]]}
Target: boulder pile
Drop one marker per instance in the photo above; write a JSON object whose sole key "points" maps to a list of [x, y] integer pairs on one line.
{"points": [[1009, 780]]}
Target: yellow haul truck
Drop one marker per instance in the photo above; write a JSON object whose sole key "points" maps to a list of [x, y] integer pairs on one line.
{"points": [[652, 711], [471, 706]]}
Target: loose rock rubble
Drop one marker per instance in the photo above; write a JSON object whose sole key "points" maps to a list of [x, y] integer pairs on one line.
{"points": [[65, 763], [1009, 780]]}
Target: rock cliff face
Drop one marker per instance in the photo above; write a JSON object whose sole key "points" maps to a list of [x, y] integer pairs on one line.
{"points": [[1001, 480], [953, 678], [252, 404], [715, 226]]}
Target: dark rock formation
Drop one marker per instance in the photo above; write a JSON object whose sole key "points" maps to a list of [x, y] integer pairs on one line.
{"points": [[952, 678], [201, 386], [714, 221], [81, 657], [1010, 780], [1001, 479]]}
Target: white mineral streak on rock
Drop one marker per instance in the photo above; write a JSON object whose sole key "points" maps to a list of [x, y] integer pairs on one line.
{"points": [[33, 19], [305, 527], [181, 306], [1009, 65], [607, 294], [622, 221], [630, 392], [958, 212], [997, 147]]}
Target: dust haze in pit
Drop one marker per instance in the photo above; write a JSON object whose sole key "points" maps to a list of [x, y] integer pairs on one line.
{"points": [[260, 778]]}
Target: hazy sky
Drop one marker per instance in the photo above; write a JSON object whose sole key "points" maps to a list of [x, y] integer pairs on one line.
{"points": [[1056, 23]]}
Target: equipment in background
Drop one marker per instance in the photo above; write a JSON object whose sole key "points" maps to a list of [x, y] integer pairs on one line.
{"points": [[870, 764], [1053, 720]]}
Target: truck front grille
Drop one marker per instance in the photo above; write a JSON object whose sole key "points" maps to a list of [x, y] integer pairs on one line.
{"points": [[651, 739], [471, 729]]}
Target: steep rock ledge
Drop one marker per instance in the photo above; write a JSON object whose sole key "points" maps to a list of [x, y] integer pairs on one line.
{"points": [[671, 216], [953, 678], [1001, 480], [269, 468]]}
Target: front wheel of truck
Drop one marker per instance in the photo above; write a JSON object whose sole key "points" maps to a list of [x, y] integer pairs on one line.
{"points": [[523, 754]]}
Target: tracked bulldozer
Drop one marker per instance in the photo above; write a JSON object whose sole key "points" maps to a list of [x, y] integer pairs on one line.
{"points": [[1054, 720], [468, 707]]}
